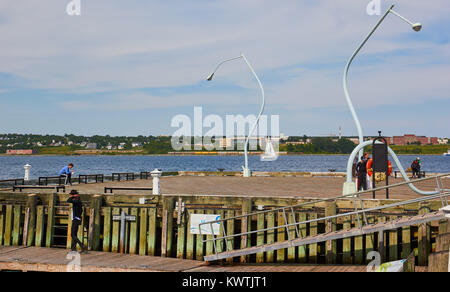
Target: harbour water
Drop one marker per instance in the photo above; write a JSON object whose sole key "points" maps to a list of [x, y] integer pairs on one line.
{"points": [[12, 166]]}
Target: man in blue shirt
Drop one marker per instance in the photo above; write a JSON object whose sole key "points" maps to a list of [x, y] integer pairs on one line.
{"points": [[67, 173]]}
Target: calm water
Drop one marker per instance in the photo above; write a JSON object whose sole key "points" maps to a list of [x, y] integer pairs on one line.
{"points": [[12, 166]]}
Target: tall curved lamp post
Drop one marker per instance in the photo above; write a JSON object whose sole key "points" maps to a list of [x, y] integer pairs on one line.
{"points": [[415, 26], [246, 170]]}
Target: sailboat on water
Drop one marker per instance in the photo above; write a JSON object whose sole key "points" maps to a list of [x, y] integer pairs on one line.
{"points": [[448, 153], [269, 153]]}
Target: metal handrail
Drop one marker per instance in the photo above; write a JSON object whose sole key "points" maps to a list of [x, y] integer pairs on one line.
{"points": [[444, 193]]}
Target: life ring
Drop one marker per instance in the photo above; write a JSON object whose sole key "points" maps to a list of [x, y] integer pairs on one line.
{"points": [[370, 170]]}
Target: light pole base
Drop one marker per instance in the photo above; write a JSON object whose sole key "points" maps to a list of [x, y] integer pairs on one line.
{"points": [[349, 188], [247, 172]]}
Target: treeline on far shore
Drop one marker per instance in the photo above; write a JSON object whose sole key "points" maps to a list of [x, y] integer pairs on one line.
{"points": [[162, 145]]}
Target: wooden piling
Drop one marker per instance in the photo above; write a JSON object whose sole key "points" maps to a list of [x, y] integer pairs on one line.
{"points": [[331, 245], [246, 226], [260, 222], [115, 231], [31, 230], [230, 231], [50, 220], [313, 231], [281, 236], [133, 231], [40, 217], [270, 236], [347, 242], [107, 234], [199, 245], [393, 242], [181, 235], [424, 236], [8, 225], [151, 239], [302, 251], [2, 223], [359, 243], [190, 251], [209, 244], [17, 225], [143, 220], [370, 238], [167, 231], [96, 205], [382, 241], [406, 241], [292, 233]]}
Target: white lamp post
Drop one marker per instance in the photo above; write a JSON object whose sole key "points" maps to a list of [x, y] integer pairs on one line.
{"points": [[246, 170], [415, 26]]}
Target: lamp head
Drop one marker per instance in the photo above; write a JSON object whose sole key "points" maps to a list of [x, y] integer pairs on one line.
{"points": [[417, 26], [210, 77]]}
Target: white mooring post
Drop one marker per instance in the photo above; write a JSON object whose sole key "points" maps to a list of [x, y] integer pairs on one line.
{"points": [[27, 168], [156, 174]]}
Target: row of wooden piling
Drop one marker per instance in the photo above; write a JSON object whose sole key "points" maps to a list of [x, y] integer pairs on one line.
{"points": [[162, 228]]}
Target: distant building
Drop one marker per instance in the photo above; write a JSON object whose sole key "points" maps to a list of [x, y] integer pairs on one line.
{"points": [[91, 146], [21, 151], [413, 139], [136, 144], [443, 141]]}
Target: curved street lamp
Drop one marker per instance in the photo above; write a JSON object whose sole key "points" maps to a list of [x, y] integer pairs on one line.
{"points": [[246, 170], [415, 27]]}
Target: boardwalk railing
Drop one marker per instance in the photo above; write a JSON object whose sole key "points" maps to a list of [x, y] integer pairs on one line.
{"points": [[358, 211]]}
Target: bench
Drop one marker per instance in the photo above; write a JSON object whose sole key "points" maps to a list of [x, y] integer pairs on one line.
{"points": [[119, 175], [16, 181], [43, 180], [85, 177], [110, 189], [421, 173], [57, 188], [144, 174]]}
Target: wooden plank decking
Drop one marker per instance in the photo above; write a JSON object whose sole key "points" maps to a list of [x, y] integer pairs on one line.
{"points": [[54, 260]]}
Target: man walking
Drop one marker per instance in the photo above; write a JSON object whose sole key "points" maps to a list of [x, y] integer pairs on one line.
{"points": [[361, 170], [67, 172], [77, 211]]}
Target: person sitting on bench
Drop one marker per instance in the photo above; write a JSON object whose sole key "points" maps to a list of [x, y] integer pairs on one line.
{"points": [[67, 173]]}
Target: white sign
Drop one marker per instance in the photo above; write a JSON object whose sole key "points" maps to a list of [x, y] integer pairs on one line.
{"points": [[196, 219], [396, 266]]}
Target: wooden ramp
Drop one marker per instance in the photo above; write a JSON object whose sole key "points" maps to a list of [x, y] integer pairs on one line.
{"points": [[57, 260], [367, 229], [41, 259]]}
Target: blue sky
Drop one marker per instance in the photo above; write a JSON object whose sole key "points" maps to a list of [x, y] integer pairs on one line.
{"points": [[128, 67]]}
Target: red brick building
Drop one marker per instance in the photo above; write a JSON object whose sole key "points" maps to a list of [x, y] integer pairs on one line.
{"points": [[20, 152], [413, 139]]}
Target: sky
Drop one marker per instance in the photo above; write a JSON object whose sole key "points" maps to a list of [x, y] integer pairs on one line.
{"points": [[128, 67]]}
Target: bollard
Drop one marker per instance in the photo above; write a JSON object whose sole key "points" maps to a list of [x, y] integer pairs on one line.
{"points": [[156, 174], [27, 168]]}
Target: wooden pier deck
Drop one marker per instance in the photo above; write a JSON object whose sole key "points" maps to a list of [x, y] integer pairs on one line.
{"points": [[41, 259]]}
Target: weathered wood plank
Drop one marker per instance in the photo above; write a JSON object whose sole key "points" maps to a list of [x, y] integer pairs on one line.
{"points": [[270, 235], [246, 223], [302, 250], [40, 219], [424, 235], [200, 246], [115, 231], [152, 223], [50, 220], [7, 240], [393, 243], [406, 241], [17, 225], [230, 231], [313, 230], [292, 233], [190, 251], [181, 236], [2, 223], [281, 253], [260, 236], [107, 236], [347, 242], [133, 231], [331, 245], [31, 232], [359, 241], [143, 225]]}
